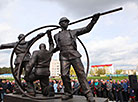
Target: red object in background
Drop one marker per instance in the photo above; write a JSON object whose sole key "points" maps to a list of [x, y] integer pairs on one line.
{"points": [[131, 96], [105, 65]]}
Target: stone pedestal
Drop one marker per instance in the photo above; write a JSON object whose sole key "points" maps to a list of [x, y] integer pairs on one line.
{"points": [[19, 98]]}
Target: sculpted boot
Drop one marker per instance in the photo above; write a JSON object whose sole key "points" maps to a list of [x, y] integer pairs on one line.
{"points": [[89, 97], [48, 91], [67, 96]]}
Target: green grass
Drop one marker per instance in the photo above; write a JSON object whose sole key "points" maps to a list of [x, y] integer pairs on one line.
{"points": [[107, 78], [7, 78]]}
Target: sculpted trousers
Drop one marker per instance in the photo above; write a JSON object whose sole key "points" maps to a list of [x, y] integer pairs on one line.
{"points": [[44, 82], [79, 69], [18, 73]]}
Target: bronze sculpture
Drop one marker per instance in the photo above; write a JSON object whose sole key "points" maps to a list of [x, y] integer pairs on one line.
{"points": [[19, 51], [40, 61], [66, 44], [58, 49]]}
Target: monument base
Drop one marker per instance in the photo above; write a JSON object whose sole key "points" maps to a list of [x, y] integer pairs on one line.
{"points": [[76, 98]]}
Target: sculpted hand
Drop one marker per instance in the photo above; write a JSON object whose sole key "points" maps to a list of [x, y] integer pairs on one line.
{"points": [[41, 34], [96, 17], [48, 33], [0, 46]]}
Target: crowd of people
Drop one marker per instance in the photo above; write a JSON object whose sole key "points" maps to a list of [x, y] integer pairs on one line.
{"points": [[111, 89]]}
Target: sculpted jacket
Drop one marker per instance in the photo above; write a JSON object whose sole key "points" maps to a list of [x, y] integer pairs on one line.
{"points": [[40, 60], [66, 41], [21, 49]]}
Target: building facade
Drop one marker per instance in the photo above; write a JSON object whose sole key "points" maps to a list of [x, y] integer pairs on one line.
{"points": [[109, 69], [55, 68], [128, 72]]}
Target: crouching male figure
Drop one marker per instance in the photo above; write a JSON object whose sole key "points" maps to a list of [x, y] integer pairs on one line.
{"points": [[40, 61]]}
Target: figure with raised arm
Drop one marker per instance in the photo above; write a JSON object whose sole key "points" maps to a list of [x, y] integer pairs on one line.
{"points": [[20, 51], [66, 44]]}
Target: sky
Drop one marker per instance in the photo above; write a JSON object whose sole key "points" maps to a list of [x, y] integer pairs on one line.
{"points": [[113, 40]]}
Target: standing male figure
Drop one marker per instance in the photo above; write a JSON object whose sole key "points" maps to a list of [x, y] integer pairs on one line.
{"points": [[40, 61], [66, 43], [20, 51]]}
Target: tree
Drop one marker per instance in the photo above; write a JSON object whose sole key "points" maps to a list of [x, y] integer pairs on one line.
{"points": [[135, 73], [91, 72], [100, 71], [5, 70], [119, 71]]}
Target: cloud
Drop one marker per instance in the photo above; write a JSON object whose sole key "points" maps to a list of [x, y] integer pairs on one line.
{"points": [[83, 7], [8, 33], [5, 3], [5, 58], [113, 39], [117, 51]]}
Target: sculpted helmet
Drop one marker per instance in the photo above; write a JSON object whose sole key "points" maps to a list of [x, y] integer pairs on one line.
{"points": [[63, 19], [20, 36], [42, 45]]}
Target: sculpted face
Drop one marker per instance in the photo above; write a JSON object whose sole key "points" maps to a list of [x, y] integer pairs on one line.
{"points": [[64, 24]]}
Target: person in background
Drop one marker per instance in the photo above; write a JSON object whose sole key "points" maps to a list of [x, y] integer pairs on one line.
{"points": [[119, 95], [9, 86], [92, 87], [76, 85], [4, 88], [114, 89], [125, 91], [50, 82], [55, 85], [131, 94], [109, 90], [96, 87], [100, 88], [60, 86], [104, 89]]}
